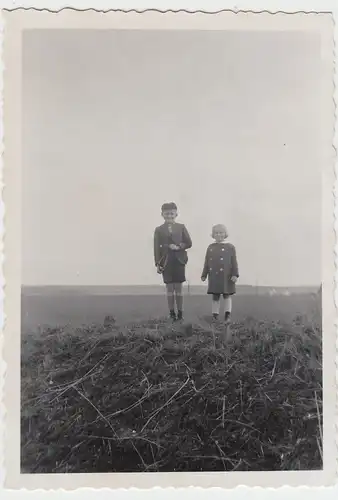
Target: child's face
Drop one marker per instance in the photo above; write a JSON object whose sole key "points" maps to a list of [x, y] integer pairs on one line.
{"points": [[219, 236], [169, 215]]}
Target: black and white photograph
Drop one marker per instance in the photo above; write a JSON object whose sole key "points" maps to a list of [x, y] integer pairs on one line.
{"points": [[175, 246]]}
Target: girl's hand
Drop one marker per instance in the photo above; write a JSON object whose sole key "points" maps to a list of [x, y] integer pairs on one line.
{"points": [[159, 269], [234, 279], [203, 278], [174, 247]]}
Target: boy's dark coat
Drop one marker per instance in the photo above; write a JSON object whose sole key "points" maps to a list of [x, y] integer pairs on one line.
{"points": [[163, 237]]}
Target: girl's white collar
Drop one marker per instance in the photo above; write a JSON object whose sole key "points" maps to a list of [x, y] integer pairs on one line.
{"points": [[224, 242]]}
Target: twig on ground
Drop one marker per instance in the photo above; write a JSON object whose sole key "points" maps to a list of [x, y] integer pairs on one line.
{"points": [[165, 404], [81, 379], [132, 406], [97, 410]]}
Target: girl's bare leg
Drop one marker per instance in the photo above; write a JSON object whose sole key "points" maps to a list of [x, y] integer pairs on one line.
{"points": [[215, 305]]}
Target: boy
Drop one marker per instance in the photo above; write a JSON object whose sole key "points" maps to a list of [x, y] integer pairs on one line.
{"points": [[171, 241]]}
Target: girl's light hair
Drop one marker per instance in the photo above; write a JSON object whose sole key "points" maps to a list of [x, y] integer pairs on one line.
{"points": [[218, 228]]}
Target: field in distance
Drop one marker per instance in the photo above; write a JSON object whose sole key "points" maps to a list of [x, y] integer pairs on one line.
{"points": [[76, 306], [158, 290]]}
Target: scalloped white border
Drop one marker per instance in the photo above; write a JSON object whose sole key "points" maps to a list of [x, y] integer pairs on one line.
{"points": [[190, 6], [271, 6]]}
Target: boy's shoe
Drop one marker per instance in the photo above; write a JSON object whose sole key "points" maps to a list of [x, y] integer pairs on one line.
{"points": [[227, 317], [180, 315], [173, 315], [215, 317]]}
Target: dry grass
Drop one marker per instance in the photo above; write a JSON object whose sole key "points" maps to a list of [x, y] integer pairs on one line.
{"points": [[152, 397]]}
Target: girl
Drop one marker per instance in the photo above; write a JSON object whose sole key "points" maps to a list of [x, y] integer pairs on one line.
{"points": [[221, 269], [171, 241]]}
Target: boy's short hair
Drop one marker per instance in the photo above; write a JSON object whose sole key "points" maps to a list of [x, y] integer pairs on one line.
{"points": [[219, 228], [169, 206]]}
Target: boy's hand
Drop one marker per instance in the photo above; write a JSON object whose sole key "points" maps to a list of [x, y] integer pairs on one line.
{"points": [[159, 269], [174, 247], [234, 279], [203, 278]]}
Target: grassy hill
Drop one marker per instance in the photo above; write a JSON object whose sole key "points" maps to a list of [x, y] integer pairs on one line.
{"points": [[155, 397]]}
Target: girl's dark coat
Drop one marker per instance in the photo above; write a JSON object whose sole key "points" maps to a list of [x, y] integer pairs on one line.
{"points": [[219, 266], [163, 255]]}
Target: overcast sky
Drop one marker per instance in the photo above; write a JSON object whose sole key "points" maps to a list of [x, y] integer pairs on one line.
{"points": [[115, 123]]}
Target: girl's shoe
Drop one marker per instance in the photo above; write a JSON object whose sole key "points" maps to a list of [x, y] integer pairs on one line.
{"points": [[173, 315], [227, 317], [180, 315], [215, 317]]}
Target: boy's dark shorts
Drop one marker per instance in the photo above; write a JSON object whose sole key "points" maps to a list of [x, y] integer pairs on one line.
{"points": [[174, 272]]}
